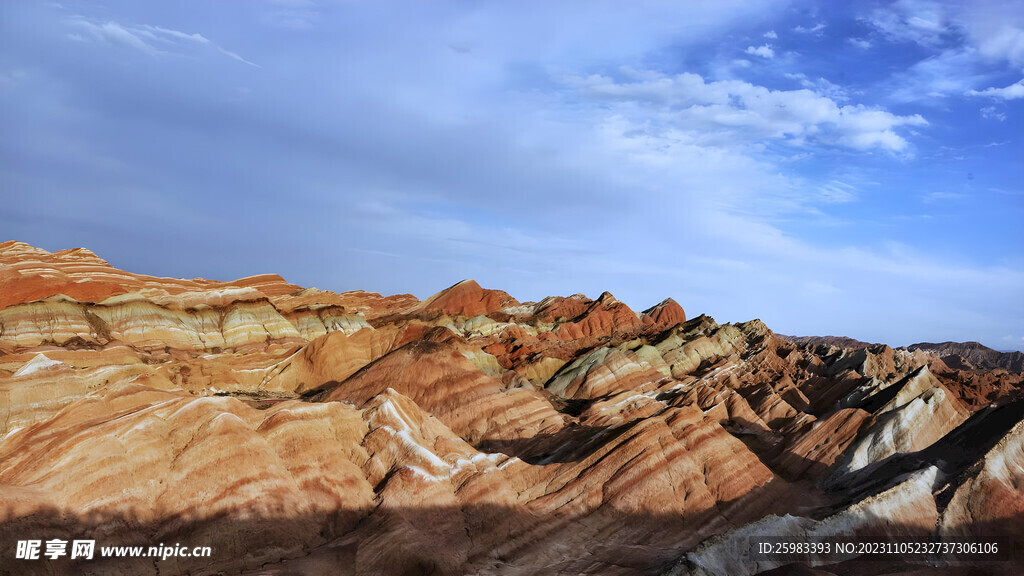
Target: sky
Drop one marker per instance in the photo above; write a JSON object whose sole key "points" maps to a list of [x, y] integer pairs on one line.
{"points": [[843, 168]]}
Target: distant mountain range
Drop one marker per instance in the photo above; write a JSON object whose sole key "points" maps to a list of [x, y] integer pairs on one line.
{"points": [[977, 355], [961, 355]]}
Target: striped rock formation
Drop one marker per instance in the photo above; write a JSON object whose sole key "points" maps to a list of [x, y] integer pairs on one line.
{"points": [[304, 431]]}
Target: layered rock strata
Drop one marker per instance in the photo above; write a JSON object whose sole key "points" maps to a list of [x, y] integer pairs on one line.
{"points": [[304, 431]]}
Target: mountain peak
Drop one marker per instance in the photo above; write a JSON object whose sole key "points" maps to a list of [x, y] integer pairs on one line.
{"points": [[468, 298]]}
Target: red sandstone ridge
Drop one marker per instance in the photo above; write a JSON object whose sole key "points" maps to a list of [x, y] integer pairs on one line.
{"points": [[604, 316], [302, 431], [467, 298], [665, 314], [28, 273]]}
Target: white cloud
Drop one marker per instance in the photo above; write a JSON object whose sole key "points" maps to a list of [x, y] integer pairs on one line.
{"points": [[732, 111], [923, 22], [764, 51], [1007, 42], [861, 43], [886, 139], [965, 39], [1011, 92], [771, 35], [995, 27]]}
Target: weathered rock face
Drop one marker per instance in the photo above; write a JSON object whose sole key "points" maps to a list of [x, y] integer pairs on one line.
{"points": [[989, 506], [303, 431], [909, 416]]}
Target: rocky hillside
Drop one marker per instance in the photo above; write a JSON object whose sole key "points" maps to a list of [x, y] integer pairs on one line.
{"points": [[299, 431]]}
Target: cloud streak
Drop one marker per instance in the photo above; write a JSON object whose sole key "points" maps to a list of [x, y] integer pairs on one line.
{"points": [[234, 56], [111, 33], [151, 40]]}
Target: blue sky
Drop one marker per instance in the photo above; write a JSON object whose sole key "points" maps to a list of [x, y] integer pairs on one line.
{"points": [[831, 168]]}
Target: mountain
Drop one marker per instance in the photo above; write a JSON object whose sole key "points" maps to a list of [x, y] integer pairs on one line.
{"points": [[301, 431], [842, 341], [973, 354]]}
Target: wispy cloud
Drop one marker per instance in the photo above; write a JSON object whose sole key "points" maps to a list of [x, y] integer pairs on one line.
{"points": [[771, 35], [923, 22], [11, 78], [818, 29], [992, 113], [942, 196], [965, 41], [292, 14], [231, 54], [1007, 192], [950, 72], [111, 33], [162, 34], [151, 40], [821, 86], [1014, 342], [837, 192]]}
